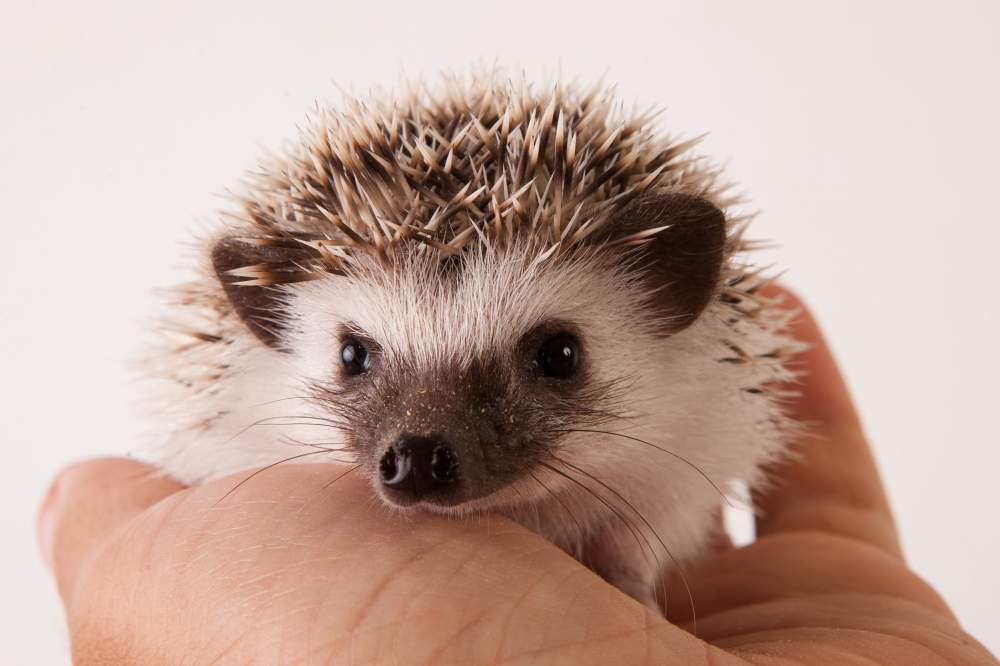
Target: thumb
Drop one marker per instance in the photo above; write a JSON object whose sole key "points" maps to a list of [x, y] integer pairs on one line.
{"points": [[86, 504]]}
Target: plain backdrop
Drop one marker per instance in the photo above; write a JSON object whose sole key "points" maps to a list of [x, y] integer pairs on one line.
{"points": [[866, 132]]}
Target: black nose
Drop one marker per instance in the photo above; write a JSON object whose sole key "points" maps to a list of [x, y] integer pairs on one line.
{"points": [[418, 465]]}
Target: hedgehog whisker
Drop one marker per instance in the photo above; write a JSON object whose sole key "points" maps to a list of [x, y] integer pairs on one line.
{"points": [[536, 512], [339, 477], [269, 420], [330, 447], [271, 466], [676, 455], [295, 423], [328, 484], [624, 501], [639, 514], [309, 417], [641, 539], [291, 397], [558, 500]]}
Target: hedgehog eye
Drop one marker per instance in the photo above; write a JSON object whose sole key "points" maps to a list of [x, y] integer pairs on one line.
{"points": [[355, 357], [559, 356]]}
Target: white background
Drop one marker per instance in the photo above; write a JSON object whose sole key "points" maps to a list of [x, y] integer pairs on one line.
{"points": [[866, 132]]}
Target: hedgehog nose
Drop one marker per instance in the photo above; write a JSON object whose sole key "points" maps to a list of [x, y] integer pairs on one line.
{"points": [[418, 465]]}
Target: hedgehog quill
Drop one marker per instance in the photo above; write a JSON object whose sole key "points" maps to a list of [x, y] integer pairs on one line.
{"points": [[488, 296]]}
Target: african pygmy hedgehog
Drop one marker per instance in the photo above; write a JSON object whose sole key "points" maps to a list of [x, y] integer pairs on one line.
{"points": [[488, 296]]}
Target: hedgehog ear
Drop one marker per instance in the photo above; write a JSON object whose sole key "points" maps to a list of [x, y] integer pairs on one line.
{"points": [[259, 304], [682, 261]]}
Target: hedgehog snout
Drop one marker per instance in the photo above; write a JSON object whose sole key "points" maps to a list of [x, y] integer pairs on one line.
{"points": [[414, 466]]}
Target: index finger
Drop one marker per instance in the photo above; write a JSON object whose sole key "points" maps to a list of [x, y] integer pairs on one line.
{"points": [[830, 481]]}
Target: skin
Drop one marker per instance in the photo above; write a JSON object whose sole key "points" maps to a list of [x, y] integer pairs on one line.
{"points": [[293, 569]]}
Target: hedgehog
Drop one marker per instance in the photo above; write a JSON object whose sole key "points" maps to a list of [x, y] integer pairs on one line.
{"points": [[484, 295]]}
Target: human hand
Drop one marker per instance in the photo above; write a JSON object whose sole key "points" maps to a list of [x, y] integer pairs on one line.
{"points": [[295, 569]]}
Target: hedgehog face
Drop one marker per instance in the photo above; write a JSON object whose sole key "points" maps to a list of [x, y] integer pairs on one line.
{"points": [[453, 379], [452, 384]]}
